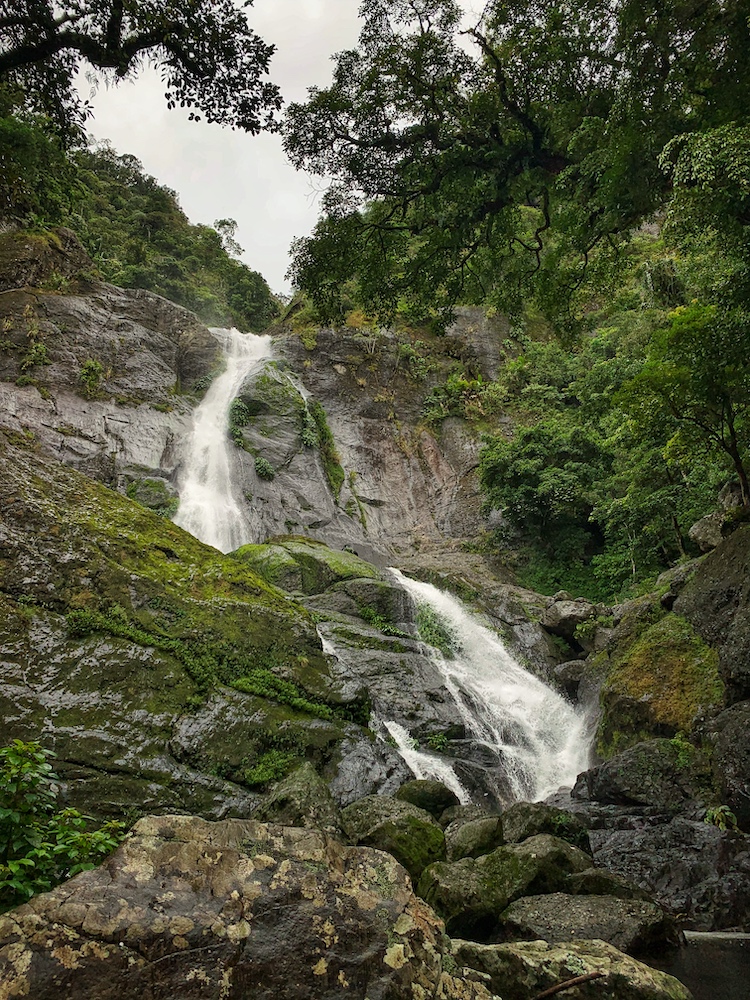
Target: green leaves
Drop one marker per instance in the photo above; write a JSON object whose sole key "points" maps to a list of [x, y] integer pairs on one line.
{"points": [[40, 847]]}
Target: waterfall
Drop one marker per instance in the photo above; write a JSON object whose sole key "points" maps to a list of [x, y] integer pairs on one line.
{"points": [[209, 507], [539, 740]]}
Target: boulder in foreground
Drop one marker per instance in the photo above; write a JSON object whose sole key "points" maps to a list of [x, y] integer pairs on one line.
{"points": [[192, 909]]}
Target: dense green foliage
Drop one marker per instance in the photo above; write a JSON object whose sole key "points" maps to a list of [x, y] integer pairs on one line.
{"points": [[41, 846], [514, 164], [132, 226], [140, 238], [208, 56]]}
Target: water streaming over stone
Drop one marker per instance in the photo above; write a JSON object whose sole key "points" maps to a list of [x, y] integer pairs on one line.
{"points": [[426, 765], [539, 740], [209, 507]]}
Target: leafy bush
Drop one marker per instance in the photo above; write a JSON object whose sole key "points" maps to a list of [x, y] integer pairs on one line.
{"points": [[263, 468], [39, 846], [90, 376]]}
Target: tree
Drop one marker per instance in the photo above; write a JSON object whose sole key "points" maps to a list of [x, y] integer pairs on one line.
{"points": [[512, 156], [697, 370], [209, 58]]}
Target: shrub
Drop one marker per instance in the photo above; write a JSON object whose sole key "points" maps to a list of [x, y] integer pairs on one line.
{"points": [[39, 846], [263, 468], [90, 376]]}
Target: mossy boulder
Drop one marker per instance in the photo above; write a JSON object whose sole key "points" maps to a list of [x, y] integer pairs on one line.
{"points": [[472, 838], [667, 774], [410, 834], [716, 601], [659, 676], [155, 493], [633, 926], [730, 759], [304, 565], [470, 894], [432, 796], [528, 968], [527, 819]]}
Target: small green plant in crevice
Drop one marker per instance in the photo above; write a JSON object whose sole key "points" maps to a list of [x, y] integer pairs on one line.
{"points": [[36, 355], [270, 766], [684, 750], [309, 429], [264, 469], [377, 621], [90, 376], [329, 455], [722, 817], [41, 846], [436, 631], [438, 742], [239, 417]]}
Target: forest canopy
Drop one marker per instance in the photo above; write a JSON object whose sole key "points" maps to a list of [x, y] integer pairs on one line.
{"points": [[512, 159], [209, 58]]}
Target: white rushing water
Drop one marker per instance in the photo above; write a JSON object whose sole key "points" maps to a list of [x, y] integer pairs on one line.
{"points": [[541, 740], [209, 508], [426, 765]]}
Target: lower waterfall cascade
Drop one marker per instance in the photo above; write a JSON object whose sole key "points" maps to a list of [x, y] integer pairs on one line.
{"points": [[540, 740], [208, 507]]}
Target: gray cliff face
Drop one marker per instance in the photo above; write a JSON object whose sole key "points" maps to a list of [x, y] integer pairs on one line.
{"points": [[143, 353]]}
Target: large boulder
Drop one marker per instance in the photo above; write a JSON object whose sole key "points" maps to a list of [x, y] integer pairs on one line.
{"points": [[432, 796], [410, 834], [189, 909], [527, 819], [692, 868], [634, 926], [529, 968], [668, 774], [471, 894], [716, 600], [728, 736]]}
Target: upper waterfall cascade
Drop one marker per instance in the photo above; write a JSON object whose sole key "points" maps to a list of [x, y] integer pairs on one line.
{"points": [[540, 741], [209, 508]]}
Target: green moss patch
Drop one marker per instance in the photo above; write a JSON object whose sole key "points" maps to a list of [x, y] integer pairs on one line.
{"points": [[301, 564], [658, 684]]}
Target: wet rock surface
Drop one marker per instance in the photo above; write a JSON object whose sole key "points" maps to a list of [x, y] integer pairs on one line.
{"points": [[193, 909], [525, 969], [410, 834], [633, 926]]}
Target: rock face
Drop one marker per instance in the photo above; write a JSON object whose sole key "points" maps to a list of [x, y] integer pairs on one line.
{"points": [[716, 600], [126, 419], [121, 635], [633, 926], [526, 969], [728, 737], [234, 909]]}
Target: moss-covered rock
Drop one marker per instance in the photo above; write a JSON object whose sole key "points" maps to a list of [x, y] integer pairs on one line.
{"points": [[471, 894], [410, 834], [659, 675], [667, 774], [471, 838], [303, 565], [118, 627], [302, 799], [527, 819], [432, 796], [528, 968]]}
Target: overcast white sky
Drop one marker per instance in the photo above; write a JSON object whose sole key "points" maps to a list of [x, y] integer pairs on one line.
{"points": [[221, 174]]}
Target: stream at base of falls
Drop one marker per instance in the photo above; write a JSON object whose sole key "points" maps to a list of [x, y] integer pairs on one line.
{"points": [[209, 508]]}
